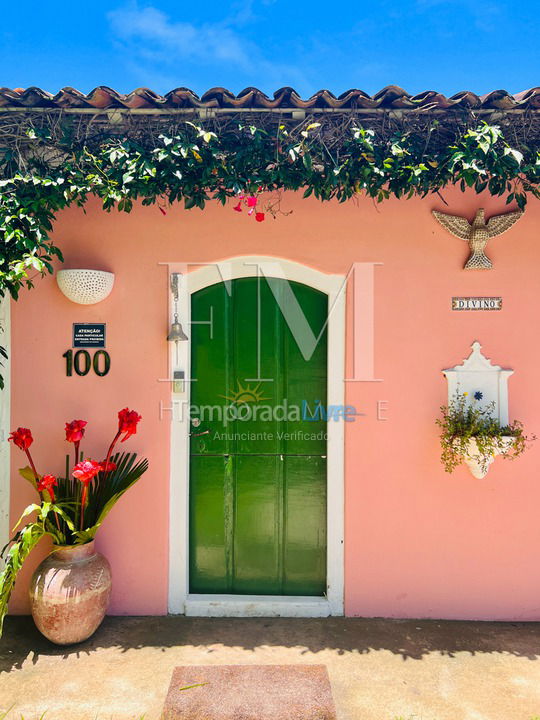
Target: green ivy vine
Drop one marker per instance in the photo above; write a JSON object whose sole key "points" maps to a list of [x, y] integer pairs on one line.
{"points": [[197, 165]]}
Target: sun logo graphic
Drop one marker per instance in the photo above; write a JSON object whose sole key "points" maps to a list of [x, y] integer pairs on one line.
{"points": [[245, 394]]}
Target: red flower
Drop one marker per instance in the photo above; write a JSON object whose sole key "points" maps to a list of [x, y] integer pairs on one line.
{"points": [[22, 437], [75, 430], [238, 207], [127, 422], [47, 483], [86, 470], [259, 217], [251, 201], [107, 466]]}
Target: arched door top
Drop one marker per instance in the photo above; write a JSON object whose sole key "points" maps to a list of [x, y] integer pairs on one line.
{"points": [[265, 266]]}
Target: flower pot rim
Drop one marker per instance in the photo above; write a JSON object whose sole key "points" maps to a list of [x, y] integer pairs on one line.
{"points": [[73, 553], [74, 545]]}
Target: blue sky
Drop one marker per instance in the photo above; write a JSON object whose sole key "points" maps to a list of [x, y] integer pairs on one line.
{"points": [[445, 45]]}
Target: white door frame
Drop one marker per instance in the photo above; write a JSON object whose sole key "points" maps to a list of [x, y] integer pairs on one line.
{"points": [[5, 397], [180, 600]]}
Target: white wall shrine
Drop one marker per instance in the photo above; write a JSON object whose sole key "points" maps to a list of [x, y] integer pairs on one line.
{"points": [[483, 382]]}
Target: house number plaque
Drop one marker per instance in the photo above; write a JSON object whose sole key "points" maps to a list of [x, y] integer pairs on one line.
{"points": [[476, 303], [80, 362]]}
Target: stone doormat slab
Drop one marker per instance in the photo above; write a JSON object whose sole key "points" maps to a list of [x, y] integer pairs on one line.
{"points": [[250, 692]]}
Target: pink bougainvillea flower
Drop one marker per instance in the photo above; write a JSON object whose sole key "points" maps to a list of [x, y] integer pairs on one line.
{"points": [[47, 482], [107, 466], [238, 207], [86, 470], [75, 430], [22, 438], [127, 422], [251, 201], [259, 217]]}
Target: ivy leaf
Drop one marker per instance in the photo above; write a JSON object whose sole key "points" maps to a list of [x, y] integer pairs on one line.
{"points": [[518, 157]]}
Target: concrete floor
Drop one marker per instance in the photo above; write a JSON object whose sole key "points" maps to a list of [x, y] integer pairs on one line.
{"points": [[379, 669]]}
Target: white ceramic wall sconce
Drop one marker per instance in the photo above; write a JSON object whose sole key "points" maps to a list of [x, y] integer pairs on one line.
{"points": [[85, 287]]}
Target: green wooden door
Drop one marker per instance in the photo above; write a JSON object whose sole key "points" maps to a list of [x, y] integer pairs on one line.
{"points": [[258, 447]]}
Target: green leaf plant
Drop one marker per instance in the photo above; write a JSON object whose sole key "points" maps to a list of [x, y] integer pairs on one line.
{"points": [[195, 165], [463, 420], [72, 508]]}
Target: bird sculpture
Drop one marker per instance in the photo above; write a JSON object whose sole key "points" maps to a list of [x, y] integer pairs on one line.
{"points": [[478, 234]]}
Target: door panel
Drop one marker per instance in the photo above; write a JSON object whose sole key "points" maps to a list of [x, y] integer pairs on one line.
{"points": [[257, 526], [209, 499], [305, 530], [258, 473]]}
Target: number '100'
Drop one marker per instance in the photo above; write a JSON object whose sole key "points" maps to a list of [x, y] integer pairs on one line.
{"points": [[81, 362]]}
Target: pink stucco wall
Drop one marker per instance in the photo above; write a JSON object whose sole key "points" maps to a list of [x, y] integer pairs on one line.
{"points": [[418, 542]]}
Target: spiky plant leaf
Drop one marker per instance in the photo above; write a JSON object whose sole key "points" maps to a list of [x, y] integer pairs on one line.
{"points": [[110, 487]]}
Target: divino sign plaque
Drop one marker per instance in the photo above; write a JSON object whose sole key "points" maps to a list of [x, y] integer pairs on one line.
{"points": [[476, 303]]}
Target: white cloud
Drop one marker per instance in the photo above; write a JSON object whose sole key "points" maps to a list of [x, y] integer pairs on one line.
{"points": [[486, 15], [153, 41], [178, 39]]}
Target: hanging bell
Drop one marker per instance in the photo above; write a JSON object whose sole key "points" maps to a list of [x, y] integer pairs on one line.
{"points": [[176, 333]]}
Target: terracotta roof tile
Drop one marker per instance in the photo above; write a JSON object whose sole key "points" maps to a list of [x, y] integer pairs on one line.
{"points": [[286, 98]]}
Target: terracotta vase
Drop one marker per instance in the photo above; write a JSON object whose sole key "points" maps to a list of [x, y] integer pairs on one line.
{"points": [[69, 593]]}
